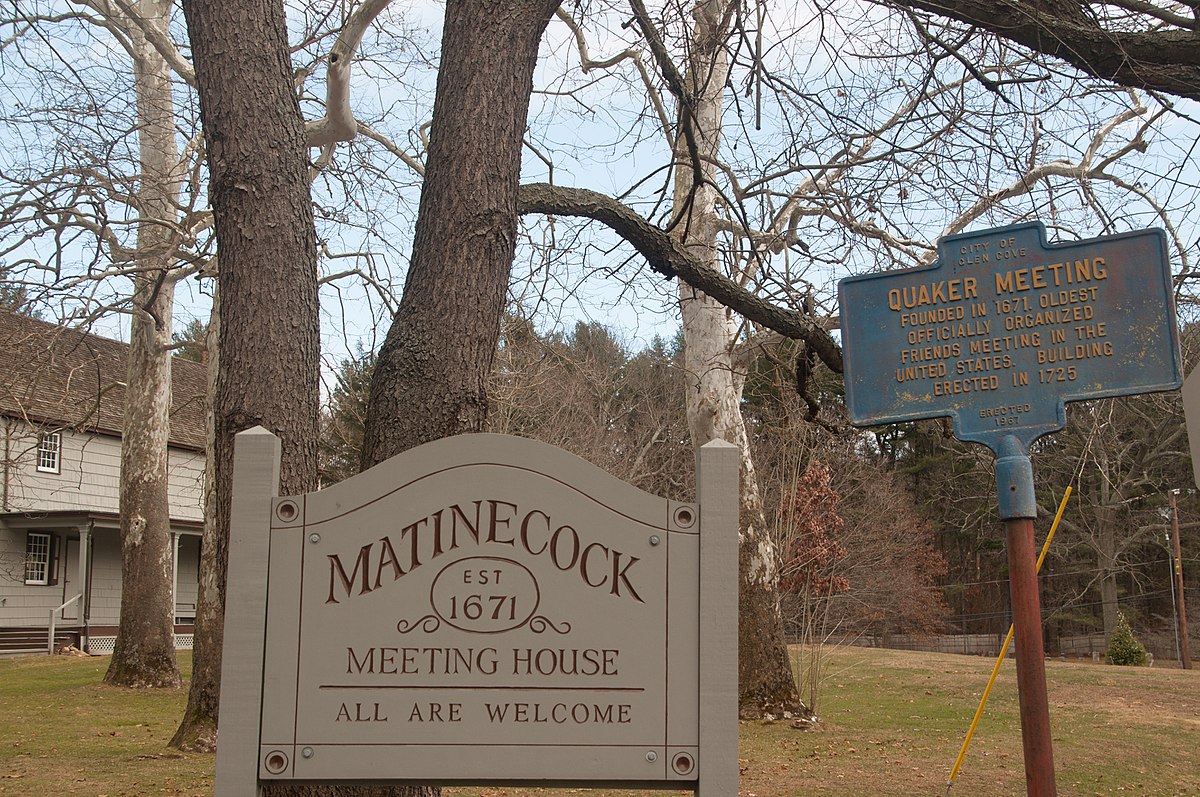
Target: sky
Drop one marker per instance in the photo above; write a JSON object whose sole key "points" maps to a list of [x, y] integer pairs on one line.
{"points": [[597, 131]]}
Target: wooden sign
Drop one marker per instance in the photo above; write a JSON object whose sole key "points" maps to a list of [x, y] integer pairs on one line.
{"points": [[482, 609], [1191, 416]]}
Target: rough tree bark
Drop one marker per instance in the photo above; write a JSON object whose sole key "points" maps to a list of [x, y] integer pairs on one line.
{"points": [[430, 377], [1157, 48], [714, 382], [144, 654], [197, 731], [266, 243]]}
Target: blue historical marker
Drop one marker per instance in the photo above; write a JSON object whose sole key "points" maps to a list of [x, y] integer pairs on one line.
{"points": [[1004, 328], [999, 334]]}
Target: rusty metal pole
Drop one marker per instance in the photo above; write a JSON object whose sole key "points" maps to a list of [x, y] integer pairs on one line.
{"points": [[1018, 508], [1185, 652], [1031, 663]]}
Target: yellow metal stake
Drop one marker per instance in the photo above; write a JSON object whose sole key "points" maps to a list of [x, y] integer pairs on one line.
{"points": [[1003, 651]]}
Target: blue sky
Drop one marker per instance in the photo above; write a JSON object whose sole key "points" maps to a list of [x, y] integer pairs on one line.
{"points": [[599, 133]]}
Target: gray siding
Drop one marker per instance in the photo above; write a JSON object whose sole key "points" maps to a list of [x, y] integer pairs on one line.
{"points": [[88, 480], [189, 576], [89, 477], [24, 604], [21, 603], [187, 484], [106, 580], [30, 604]]}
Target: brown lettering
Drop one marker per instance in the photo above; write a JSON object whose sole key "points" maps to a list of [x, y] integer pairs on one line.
{"points": [[583, 564], [525, 533], [495, 521], [619, 577], [362, 564]]}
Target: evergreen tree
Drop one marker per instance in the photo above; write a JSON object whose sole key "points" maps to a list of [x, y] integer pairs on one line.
{"points": [[1123, 647], [15, 296], [343, 418], [189, 341]]}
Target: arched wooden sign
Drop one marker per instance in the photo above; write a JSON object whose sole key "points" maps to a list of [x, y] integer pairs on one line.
{"points": [[482, 609]]}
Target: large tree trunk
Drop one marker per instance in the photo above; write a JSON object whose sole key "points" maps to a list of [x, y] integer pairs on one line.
{"points": [[144, 654], [269, 337], [766, 685], [430, 377], [198, 730]]}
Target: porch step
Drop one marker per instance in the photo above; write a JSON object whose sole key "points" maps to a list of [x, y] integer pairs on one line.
{"points": [[20, 640], [22, 652]]}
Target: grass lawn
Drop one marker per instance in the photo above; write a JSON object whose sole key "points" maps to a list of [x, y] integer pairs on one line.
{"points": [[893, 722], [62, 731]]}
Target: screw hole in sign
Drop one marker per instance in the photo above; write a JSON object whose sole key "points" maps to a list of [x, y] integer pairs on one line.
{"points": [[276, 762], [287, 511], [684, 517]]}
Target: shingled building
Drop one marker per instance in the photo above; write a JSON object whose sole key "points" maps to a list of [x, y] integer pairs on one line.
{"points": [[62, 394]]}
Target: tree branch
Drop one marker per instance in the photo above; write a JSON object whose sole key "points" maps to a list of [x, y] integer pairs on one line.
{"points": [[338, 123], [157, 39], [1163, 59], [668, 257]]}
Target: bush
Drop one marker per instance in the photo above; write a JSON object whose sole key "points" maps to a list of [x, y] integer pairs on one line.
{"points": [[1123, 648]]}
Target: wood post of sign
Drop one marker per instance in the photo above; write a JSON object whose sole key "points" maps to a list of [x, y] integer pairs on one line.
{"points": [[256, 456], [717, 488]]}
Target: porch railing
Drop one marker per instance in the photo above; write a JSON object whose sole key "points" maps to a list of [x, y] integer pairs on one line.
{"points": [[54, 614]]}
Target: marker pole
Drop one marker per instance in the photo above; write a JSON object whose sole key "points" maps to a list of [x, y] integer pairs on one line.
{"points": [[1185, 650], [1018, 508]]}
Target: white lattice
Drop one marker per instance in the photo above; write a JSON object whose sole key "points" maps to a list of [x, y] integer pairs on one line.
{"points": [[103, 645]]}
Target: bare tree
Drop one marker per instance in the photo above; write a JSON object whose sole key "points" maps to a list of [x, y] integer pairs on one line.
{"points": [[858, 180], [1117, 454], [108, 194], [430, 377], [853, 174], [585, 392], [766, 685], [269, 349], [144, 653]]}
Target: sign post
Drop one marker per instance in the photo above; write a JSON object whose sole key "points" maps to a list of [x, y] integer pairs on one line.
{"points": [[997, 335]]}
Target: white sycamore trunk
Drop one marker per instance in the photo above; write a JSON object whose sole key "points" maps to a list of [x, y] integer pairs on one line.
{"points": [[714, 384], [145, 652]]}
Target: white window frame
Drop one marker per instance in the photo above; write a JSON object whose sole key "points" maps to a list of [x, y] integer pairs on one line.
{"points": [[49, 453], [38, 549]]}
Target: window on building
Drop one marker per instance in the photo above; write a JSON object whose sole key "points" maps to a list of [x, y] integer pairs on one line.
{"points": [[38, 559], [49, 452]]}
